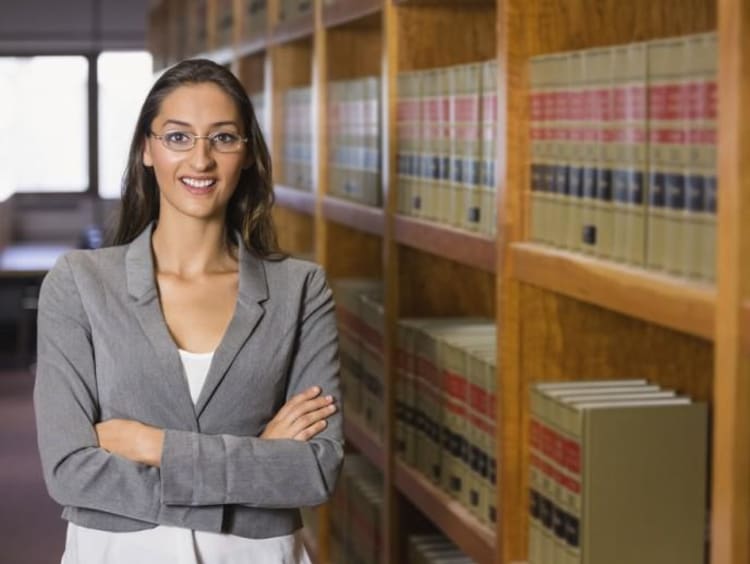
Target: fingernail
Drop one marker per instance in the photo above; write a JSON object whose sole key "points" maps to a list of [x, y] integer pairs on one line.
{"points": [[329, 398], [316, 389]]}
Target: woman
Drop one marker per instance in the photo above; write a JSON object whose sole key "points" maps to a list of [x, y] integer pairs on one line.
{"points": [[187, 377]]}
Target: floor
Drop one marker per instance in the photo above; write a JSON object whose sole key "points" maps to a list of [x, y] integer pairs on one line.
{"points": [[31, 531]]}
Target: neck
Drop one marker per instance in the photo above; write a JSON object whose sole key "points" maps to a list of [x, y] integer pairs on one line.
{"points": [[190, 247]]}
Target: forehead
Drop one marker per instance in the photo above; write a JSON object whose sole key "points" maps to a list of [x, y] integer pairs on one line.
{"points": [[198, 104]]}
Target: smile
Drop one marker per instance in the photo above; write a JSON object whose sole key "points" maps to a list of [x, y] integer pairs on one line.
{"points": [[199, 183]]}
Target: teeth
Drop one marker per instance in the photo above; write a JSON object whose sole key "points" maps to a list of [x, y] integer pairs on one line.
{"points": [[196, 183]]}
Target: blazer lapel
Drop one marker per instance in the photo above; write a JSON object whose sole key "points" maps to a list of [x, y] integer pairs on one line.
{"points": [[147, 308], [253, 290]]}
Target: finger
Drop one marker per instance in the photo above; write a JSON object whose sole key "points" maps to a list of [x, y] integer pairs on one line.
{"points": [[309, 432], [308, 406], [311, 418], [295, 400]]}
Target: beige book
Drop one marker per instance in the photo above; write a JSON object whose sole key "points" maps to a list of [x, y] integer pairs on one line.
{"points": [[444, 144], [567, 515], [485, 216], [700, 239], [642, 458], [603, 100], [628, 85], [429, 177], [576, 124], [466, 117], [372, 189], [538, 174], [556, 126], [595, 72], [666, 153], [408, 124], [373, 363]]}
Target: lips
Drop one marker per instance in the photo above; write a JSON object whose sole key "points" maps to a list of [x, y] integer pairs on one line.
{"points": [[198, 185]]}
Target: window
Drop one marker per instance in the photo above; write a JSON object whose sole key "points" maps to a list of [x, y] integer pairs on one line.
{"points": [[43, 124], [124, 81]]}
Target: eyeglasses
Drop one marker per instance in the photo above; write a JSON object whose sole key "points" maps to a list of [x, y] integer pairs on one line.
{"points": [[182, 141]]}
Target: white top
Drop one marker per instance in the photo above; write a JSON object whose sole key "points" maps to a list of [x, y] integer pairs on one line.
{"points": [[164, 544]]}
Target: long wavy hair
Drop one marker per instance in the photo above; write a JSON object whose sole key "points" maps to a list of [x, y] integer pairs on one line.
{"points": [[248, 210]]}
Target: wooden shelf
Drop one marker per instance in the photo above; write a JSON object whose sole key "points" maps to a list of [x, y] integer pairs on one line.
{"points": [[357, 216], [294, 199], [465, 247], [454, 520], [678, 304], [252, 46], [292, 30], [364, 441], [340, 13]]}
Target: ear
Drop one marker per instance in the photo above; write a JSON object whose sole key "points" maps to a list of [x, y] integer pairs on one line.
{"points": [[147, 159]]}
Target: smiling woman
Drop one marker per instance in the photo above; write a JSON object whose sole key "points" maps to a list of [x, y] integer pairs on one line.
{"points": [[187, 377]]}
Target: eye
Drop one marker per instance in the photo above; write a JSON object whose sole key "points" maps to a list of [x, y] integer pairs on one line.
{"points": [[178, 138], [224, 138]]}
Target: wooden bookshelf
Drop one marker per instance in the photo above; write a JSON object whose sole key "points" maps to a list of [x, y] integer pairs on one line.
{"points": [[364, 441], [474, 538], [340, 13], [298, 200], [671, 302], [560, 316], [471, 249], [357, 216]]}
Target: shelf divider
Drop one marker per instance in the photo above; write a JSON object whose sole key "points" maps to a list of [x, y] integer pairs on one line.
{"points": [[343, 12]]}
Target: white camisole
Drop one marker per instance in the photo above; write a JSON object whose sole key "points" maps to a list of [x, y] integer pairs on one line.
{"points": [[175, 545]]}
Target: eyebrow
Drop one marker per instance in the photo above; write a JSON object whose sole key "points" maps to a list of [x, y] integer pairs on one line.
{"points": [[186, 124]]}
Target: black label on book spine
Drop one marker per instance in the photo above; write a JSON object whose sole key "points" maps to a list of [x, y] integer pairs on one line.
{"points": [[620, 183], [675, 192], [657, 187], [695, 193], [711, 194]]}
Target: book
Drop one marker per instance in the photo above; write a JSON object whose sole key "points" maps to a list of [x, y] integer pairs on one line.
{"points": [[538, 148], [482, 211], [645, 457], [465, 114], [629, 114], [600, 74], [665, 150], [559, 151], [700, 176], [576, 126]]}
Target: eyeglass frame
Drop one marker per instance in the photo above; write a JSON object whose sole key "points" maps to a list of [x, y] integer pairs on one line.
{"points": [[195, 138]]}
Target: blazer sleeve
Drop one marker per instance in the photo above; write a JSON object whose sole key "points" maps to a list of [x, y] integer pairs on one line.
{"points": [[201, 469], [77, 471]]}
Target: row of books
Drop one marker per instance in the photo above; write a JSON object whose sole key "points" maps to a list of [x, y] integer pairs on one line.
{"points": [[360, 315], [447, 144], [310, 521], [298, 138], [356, 513], [256, 19], [354, 140], [435, 548], [445, 407], [617, 474], [623, 159]]}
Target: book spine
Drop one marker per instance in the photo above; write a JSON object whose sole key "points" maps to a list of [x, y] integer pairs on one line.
{"points": [[590, 138], [444, 183], [416, 207], [486, 208], [467, 134], [411, 391], [403, 151], [401, 399], [538, 166], [666, 183], [537, 464], [606, 159], [430, 169], [492, 513], [575, 141], [555, 113], [452, 412], [572, 428], [701, 176]]}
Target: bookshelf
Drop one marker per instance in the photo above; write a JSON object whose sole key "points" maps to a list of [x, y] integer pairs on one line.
{"points": [[560, 316]]}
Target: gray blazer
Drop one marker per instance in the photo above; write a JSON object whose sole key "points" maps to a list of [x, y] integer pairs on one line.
{"points": [[104, 351]]}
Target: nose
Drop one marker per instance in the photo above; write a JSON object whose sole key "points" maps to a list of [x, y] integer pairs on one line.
{"points": [[201, 156]]}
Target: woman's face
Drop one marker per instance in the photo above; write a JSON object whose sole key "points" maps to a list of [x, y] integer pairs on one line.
{"points": [[200, 181]]}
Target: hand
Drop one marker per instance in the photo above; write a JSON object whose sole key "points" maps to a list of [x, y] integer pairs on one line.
{"points": [[132, 440], [301, 418]]}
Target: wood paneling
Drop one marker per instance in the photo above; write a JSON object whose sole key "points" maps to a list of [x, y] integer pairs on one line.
{"points": [[295, 231]]}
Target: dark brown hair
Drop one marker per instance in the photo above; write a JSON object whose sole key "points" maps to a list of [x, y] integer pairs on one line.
{"points": [[249, 209]]}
